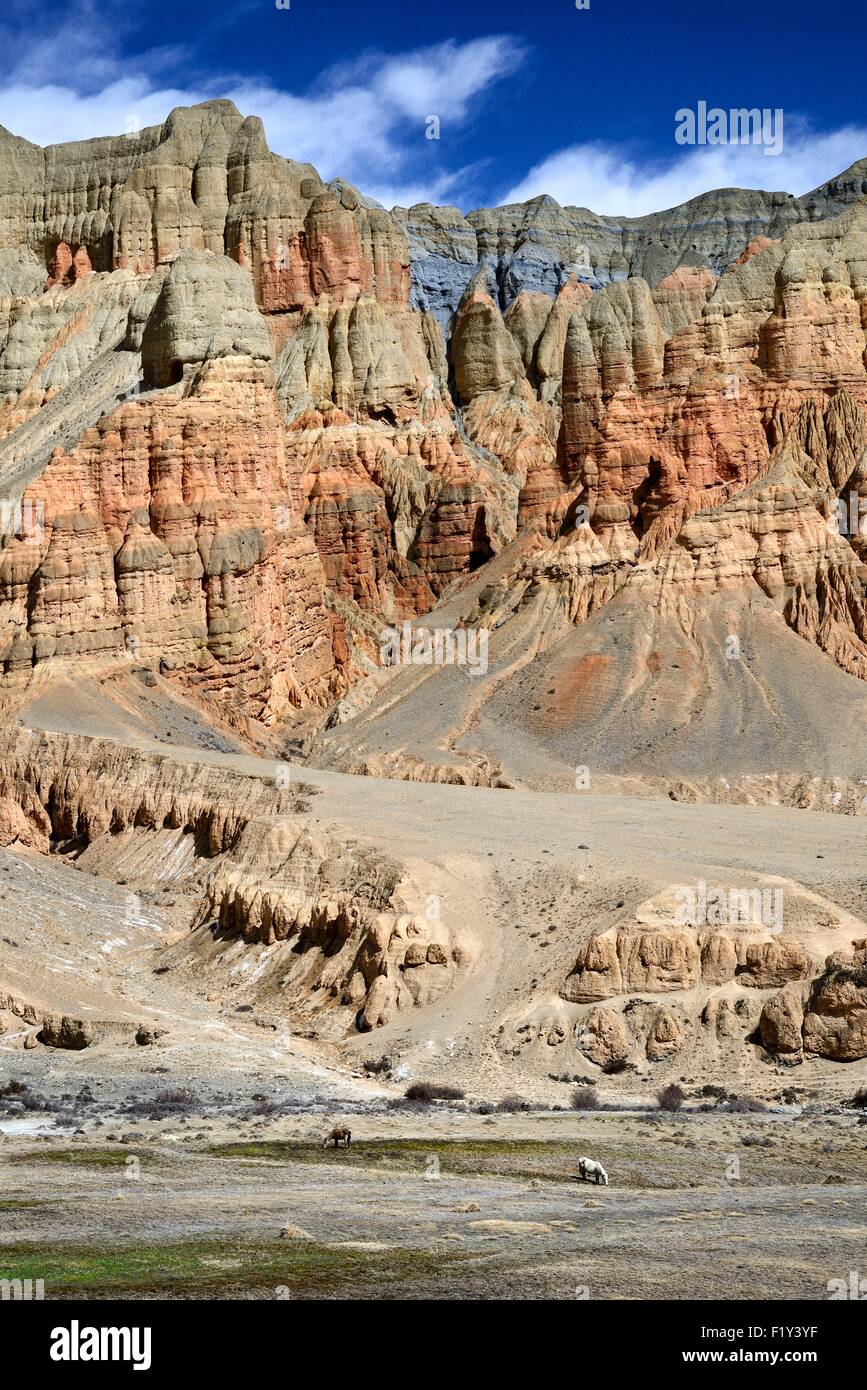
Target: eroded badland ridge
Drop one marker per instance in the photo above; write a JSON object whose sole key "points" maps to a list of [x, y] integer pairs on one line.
{"points": [[248, 421]]}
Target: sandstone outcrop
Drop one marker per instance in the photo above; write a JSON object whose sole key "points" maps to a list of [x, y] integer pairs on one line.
{"points": [[835, 1016], [665, 1036], [766, 964], [826, 1019], [603, 1037], [203, 310], [782, 1022], [638, 959], [71, 1034], [597, 973], [739, 983], [337, 937], [169, 532], [634, 960]]}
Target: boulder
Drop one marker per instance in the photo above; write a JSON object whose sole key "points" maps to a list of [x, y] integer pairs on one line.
{"points": [[782, 1021], [603, 1037], [665, 1035], [72, 1034], [770, 964], [835, 1019]]}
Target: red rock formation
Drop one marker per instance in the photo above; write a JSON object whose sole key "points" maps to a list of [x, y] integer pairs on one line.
{"points": [[758, 244], [65, 268], [301, 242], [170, 535]]}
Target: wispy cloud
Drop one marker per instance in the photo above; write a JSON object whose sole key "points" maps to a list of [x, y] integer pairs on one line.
{"points": [[86, 39], [364, 120], [614, 181], [367, 120]]}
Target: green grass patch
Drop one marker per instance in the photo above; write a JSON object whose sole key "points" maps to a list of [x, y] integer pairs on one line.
{"points": [[556, 1160], [20, 1203], [84, 1157], [217, 1268], [631, 1163]]}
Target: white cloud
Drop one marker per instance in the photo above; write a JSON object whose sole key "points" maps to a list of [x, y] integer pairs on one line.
{"points": [[443, 80], [363, 121], [614, 182], [53, 113]]}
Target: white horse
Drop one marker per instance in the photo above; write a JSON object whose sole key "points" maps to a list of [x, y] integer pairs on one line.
{"points": [[592, 1168]]}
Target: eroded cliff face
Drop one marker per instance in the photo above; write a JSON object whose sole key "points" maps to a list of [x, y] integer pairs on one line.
{"points": [[725, 457], [169, 533], [725, 989], [255, 415], [341, 936], [275, 907], [247, 418]]}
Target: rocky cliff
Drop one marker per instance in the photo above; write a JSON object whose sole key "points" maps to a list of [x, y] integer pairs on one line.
{"points": [[250, 415]]}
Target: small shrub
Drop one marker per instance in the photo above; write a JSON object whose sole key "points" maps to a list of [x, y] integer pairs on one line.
{"points": [[34, 1102], [584, 1098], [377, 1066], [615, 1066], [179, 1097], [670, 1097], [163, 1105], [859, 1100], [744, 1105], [427, 1091], [14, 1088], [712, 1092], [513, 1105]]}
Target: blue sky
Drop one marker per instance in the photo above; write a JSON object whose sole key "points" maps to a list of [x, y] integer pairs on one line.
{"points": [[530, 98]]}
